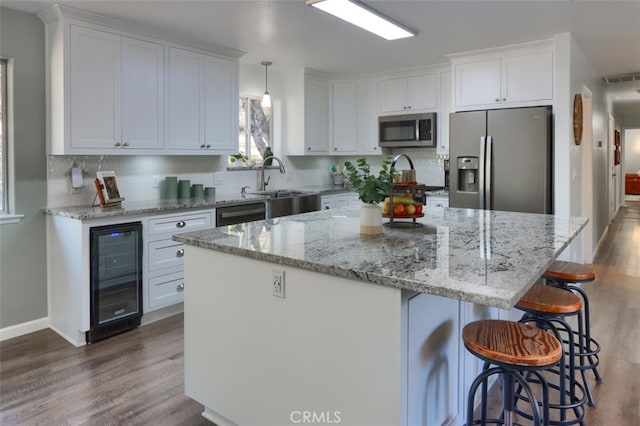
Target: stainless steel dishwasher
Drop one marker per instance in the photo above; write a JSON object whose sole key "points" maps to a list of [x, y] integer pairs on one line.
{"points": [[240, 213]]}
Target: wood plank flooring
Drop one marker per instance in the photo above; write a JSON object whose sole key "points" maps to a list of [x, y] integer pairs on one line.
{"points": [[137, 378]]}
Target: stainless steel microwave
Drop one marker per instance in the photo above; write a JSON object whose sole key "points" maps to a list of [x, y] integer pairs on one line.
{"points": [[410, 130]]}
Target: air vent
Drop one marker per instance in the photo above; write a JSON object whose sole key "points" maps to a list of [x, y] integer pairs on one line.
{"points": [[622, 78]]}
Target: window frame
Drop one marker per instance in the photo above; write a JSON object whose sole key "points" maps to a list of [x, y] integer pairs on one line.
{"points": [[4, 145], [254, 157], [7, 215]]}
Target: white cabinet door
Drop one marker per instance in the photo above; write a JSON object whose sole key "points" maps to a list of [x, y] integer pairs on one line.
{"points": [[393, 95], [142, 94], [527, 77], [317, 104], [422, 92], [186, 100], [344, 115], [368, 118], [220, 106], [432, 354], [443, 117], [477, 83], [95, 77]]}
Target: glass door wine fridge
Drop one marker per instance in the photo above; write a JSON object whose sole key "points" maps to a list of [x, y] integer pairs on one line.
{"points": [[116, 279]]}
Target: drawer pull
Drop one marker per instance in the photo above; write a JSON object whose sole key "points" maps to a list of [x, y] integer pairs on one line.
{"points": [[181, 224], [180, 253], [180, 287]]}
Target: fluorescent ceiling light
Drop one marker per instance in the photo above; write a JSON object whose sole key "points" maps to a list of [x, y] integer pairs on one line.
{"points": [[363, 16]]}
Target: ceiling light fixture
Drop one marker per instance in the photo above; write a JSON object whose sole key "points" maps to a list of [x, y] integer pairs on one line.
{"points": [[266, 99], [365, 17]]}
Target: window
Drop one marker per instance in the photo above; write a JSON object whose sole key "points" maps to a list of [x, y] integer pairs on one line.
{"points": [[3, 136], [254, 124]]}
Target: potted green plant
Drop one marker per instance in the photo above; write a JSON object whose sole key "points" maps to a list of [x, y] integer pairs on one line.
{"points": [[240, 157], [371, 190]]}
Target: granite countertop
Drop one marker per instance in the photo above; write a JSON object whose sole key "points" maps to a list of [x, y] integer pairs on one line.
{"points": [[485, 257], [160, 206], [150, 206]]}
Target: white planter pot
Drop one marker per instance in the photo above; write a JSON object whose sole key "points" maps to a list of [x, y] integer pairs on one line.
{"points": [[370, 219]]}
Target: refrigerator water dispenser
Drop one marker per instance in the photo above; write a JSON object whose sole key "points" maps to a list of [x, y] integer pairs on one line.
{"points": [[468, 174]]}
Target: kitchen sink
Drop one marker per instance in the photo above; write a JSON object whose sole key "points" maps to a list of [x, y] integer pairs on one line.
{"points": [[285, 202]]}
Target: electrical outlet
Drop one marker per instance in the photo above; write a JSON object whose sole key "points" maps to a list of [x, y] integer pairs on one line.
{"points": [[155, 181], [277, 282]]}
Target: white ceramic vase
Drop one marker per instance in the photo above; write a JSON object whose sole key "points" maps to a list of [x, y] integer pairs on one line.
{"points": [[370, 219]]}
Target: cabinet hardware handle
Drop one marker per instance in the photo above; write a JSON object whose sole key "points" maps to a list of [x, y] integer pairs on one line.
{"points": [[308, 148], [126, 144], [181, 224], [208, 146], [118, 144], [180, 287], [504, 99], [202, 146], [180, 253], [335, 148], [497, 99]]}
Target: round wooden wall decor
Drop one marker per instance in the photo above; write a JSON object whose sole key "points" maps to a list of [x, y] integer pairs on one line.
{"points": [[577, 119]]}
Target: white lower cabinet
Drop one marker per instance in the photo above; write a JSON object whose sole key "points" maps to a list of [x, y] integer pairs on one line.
{"points": [[164, 272], [335, 201]]}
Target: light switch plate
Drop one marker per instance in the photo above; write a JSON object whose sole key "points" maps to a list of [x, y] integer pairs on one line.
{"points": [[76, 177]]}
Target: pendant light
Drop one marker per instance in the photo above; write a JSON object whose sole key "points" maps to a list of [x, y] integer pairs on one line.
{"points": [[266, 99]]}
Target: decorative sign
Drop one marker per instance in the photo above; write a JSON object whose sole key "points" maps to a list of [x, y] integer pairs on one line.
{"points": [[577, 119]]}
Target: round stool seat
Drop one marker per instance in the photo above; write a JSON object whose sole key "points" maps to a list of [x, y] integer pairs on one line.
{"points": [[549, 300], [570, 272], [511, 343]]}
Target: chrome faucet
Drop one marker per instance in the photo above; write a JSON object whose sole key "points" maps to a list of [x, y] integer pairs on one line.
{"points": [[263, 184]]}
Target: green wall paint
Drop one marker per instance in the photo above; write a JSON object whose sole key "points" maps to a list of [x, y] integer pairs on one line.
{"points": [[23, 256]]}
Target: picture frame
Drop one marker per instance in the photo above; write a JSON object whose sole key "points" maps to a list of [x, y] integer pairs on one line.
{"points": [[107, 187]]}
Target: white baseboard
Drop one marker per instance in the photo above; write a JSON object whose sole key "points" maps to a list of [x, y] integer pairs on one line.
{"points": [[163, 313], [24, 328], [600, 241]]}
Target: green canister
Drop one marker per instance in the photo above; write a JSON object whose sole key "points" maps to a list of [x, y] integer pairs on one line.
{"points": [[170, 190], [184, 189]]}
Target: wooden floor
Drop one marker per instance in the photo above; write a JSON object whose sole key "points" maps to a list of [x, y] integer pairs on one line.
{"points": [[137, 378]]}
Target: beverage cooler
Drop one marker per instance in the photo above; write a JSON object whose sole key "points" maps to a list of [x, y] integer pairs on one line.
{"points": [[116, 280]]}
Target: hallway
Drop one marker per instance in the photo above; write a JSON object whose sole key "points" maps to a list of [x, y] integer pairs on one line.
{"points": [[615, 301]]}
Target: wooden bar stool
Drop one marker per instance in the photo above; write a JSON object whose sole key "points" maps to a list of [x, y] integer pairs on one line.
{"points": [[512, 348], [547, 307], [568, 275]]}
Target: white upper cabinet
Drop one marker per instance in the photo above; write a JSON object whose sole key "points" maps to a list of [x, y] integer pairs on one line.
{"points": [[95, 89], [115, 93], [185, 101], [142, 94], [107, 84], [443, 116], [344, 115], [317, 105], [409, 94], [368, 118], [201, 113], [512, 78]]}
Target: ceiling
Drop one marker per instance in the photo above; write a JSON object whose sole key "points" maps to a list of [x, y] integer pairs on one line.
{"points": [[291, 34]]}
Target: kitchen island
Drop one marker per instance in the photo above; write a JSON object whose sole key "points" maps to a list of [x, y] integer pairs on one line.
{"points": [[368, 331]]}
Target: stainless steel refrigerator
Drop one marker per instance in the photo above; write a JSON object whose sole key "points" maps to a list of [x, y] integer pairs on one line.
{"points": [[501, 160]]}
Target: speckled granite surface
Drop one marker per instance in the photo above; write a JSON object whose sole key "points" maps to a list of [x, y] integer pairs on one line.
{"points": [[147, 207], [160, 206], [485, 257]]}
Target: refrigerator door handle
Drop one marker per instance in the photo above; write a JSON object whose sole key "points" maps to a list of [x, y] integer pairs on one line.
{"points": [[417, 130], [488, 173], [481, 172]]}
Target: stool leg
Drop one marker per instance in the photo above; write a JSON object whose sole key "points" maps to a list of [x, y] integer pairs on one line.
{"points": [[583, 372], [587, 322]]}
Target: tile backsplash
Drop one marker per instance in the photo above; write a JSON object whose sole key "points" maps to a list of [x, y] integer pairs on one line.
{"points": [[135, 173]]}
